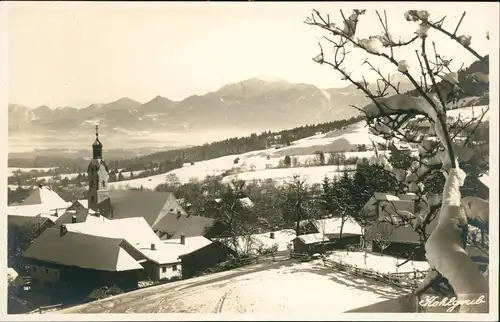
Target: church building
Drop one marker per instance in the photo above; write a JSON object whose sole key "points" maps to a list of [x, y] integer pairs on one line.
{"points": [[161, 210]]}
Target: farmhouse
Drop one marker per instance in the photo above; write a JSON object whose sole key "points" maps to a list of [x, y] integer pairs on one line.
{"points": [[348, 233], [256, 243], [67, 266], [201, 259], [164, 260], [42, 204], [312, 243], [392, 232]]}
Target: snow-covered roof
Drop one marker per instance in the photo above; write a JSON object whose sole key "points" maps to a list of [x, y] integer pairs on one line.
{"points": [[83, 202], [394, 207], [28, 210], [313, 238], [408, 196], [133, 230], [333, 225], [486, 180], [385, 196], [44, 195], [169, 251], [81, 250]]}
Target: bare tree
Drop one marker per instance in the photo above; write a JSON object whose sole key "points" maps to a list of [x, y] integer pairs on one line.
{"points": [[383, 236], [299, 203], [397, 118]]}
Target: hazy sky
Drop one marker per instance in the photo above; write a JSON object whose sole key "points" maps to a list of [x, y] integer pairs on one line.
{"points": [[75, 54]]}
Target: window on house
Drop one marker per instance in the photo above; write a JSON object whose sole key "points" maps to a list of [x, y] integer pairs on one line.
{"points": [[174, 268], [103, 184], [163, 269], [46, 270]]}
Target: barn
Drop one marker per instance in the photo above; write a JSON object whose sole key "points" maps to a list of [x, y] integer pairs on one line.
{"points": [[201, 259]]}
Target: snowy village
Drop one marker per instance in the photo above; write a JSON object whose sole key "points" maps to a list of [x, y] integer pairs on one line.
{"points": [[376, 190]]}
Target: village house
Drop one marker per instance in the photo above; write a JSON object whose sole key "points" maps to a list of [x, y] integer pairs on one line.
{"points": [[393, 225], [66, 266], [177, 258], [42, 204], [198, 260], [327, 234], [311, 244], [162, 260], [256, 243]]}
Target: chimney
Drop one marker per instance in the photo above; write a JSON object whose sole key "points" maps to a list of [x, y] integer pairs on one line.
{"points": [[183, 240], [73, 219], [153, 247], [62, 230], [271, 235]]}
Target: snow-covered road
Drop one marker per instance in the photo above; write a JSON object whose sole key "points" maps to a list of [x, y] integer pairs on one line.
{"points": [[284, 287]]}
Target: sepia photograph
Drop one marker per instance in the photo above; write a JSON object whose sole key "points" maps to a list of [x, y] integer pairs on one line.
{"points": [[248, 159]]}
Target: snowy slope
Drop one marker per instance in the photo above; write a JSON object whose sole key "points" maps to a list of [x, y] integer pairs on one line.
{"points": [[284, 287], [257, 165]]}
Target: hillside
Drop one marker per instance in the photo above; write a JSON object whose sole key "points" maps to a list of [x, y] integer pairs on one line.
{"points": [[265, 163]]}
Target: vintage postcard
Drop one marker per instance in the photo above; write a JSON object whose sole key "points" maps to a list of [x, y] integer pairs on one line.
{"points": [[250, 160]]}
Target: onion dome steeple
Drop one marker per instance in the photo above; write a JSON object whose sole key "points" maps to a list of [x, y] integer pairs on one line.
{"points": [[97, 145]]}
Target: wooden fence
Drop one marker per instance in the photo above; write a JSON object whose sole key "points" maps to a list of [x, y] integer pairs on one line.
{"points": [[43, 309], [405, 280]]}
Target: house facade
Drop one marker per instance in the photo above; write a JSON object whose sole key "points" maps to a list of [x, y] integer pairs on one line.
{"points": [[329, 233], [198, 261], [69, 284], [393, 231], [67, 266]]}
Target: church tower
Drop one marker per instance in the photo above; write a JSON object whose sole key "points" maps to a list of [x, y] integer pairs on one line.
{"points": [[98, 175]]}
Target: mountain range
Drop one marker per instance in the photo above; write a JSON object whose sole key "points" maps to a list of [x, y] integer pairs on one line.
{"points": [[250, 104]]}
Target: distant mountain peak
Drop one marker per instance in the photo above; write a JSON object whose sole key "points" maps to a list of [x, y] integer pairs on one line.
{"points": [[125, 100], [124, 103], [159, 98]]}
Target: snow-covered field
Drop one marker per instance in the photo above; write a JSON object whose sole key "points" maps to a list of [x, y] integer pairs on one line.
{"points": [[261, 165], [466, 113], [343, 140], [284, 287], [281, 176]]}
